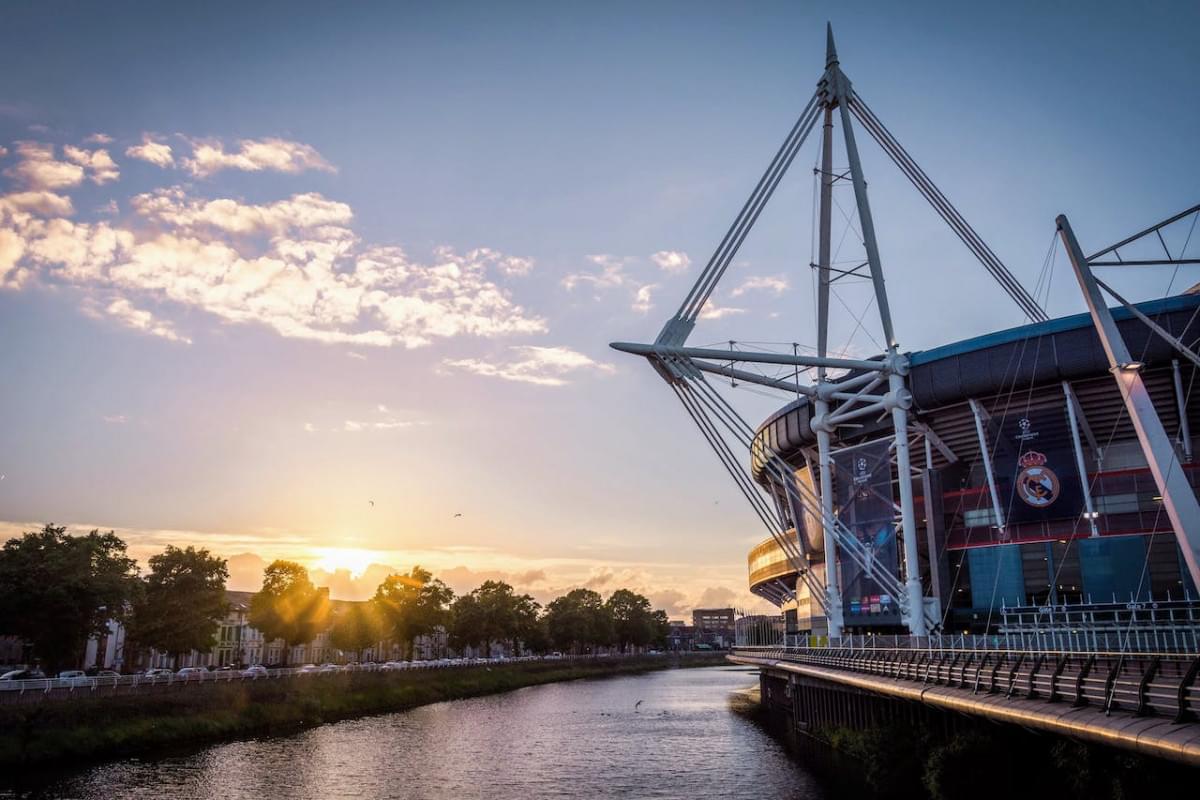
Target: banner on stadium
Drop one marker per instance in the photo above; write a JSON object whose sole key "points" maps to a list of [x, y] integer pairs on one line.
{"points": [[863, 493], [1036, 468], [806, 518]]}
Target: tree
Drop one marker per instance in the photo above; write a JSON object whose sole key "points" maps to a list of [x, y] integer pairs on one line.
{"points": [[181, 603], [578, 620], [288, 606], [467, 624], [413, 605], [661, 626], [356, 627], [632, 620], [492, 613], [56, 590], [529, 630]]}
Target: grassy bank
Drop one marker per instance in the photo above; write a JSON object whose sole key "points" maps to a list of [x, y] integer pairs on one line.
{"points": [[108, 727]]}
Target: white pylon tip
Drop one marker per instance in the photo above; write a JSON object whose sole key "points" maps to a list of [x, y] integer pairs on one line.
{"points": [[831, 57]]}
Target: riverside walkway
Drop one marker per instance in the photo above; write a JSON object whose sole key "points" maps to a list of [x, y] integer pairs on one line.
{"points": [[1140, 701]]}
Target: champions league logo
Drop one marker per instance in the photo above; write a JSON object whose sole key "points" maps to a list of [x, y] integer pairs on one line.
{"points": [[862, 478], [1037, 485]]}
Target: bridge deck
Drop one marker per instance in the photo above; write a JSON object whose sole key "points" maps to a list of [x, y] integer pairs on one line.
{"points": [[1142, 704]]}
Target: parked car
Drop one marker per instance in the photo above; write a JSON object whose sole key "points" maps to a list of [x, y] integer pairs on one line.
{"points": [[329, 668], [73, 677], [255, 671], [23, 675], [308, 669], [192, 673], [158, 674]]}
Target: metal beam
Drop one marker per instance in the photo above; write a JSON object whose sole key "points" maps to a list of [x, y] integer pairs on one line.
{"points": [[1185, 433], [979, 413], [1178, 499], [1183, 349], [1136, 236], [931, 436], [751, 377], [1079, 463], [749, 357]]}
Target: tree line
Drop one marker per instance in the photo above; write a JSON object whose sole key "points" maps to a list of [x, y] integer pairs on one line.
{"points": [[59, 590]]}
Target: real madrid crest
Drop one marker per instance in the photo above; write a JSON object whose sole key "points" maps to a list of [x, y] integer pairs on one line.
{"points": [[1037, 484]]}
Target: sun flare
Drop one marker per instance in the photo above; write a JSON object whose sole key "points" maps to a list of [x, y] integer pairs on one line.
{"points": [[352, 559]]}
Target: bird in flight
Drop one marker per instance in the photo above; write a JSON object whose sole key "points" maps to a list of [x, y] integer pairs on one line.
{"points": [[372, 502], [458, 514], [635, 705]]}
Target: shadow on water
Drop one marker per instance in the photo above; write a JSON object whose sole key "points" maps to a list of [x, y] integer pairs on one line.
{"points": [[668, 734]]}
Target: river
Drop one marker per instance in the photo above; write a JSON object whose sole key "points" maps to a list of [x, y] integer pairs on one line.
{"points": [[588, 738]]}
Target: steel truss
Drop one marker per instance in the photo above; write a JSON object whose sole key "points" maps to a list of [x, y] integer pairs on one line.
{"points": [[872, 388]]}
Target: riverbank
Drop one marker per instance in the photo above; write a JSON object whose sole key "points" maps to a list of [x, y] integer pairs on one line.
{"points": [[112, 727]]}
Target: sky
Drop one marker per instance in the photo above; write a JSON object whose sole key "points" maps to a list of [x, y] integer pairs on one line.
{"points": [[310, 281]]}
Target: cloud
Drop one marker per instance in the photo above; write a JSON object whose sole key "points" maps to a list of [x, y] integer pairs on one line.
{"points": [[544, 366], [3, 151], [673, 601], [98, 138], [641, 300], [38, 170], [97, 162], [354, 355], [115, 419], [293, 265], [611, 273], [37, 202], [712, 311], [154, 152], [776, 284], [12, 247], [173, 208], [254, 155], [310, 428], [717, 597], [671, 260], [355, 426], [138, 319], [510, 266]]}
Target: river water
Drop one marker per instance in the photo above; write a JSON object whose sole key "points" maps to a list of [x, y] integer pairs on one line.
{"points": [[587, 738]]}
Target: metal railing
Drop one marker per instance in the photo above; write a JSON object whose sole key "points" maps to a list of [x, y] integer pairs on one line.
{"points": [[1161, 684], [14, 690]]}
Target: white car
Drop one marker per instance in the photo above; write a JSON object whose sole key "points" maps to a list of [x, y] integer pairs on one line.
{"points": [[73, 677], [158, 674], [255, 671], [329, 668], [192, 673], [308, 669]]}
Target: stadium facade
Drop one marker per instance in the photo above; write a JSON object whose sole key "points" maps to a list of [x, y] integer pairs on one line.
{"points": [[1033, 493]]}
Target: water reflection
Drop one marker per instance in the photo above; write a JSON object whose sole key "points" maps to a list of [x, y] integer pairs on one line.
{"points": [[578, 739]]}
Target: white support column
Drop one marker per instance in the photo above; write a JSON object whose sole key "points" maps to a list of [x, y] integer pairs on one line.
{"points": [[1178, 499], [833, 593], [987, 465], [840, 91], [1185, 433], [908, 518], [1079, 462]]}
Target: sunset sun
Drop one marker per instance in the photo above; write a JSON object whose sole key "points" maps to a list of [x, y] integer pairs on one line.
{"points": [[331, 559]]}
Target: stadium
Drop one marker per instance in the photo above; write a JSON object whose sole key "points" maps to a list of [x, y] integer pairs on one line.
{"points": [[1087, 534], [1035, 479]]}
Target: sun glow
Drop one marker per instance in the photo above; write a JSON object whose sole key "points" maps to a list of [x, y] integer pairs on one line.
{"points": [[332, 559]]}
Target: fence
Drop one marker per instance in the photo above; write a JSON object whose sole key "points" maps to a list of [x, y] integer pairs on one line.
{"points": [[15, 691]]}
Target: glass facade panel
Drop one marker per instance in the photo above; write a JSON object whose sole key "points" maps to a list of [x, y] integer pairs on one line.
{"points": [[996, 576], [1112, 568]]}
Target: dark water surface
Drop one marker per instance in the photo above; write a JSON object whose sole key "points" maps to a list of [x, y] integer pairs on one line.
{"points": [[576, 739]]}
